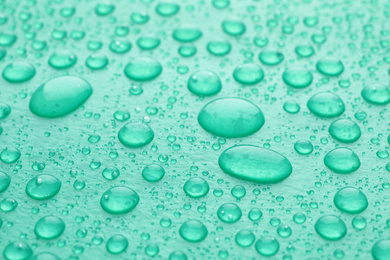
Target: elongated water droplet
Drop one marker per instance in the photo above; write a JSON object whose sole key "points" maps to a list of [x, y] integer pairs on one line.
{"points": [[49, 227], [153, 173], [18, 71], [248, 73], [376, 94], [43, 187], [143, 68], [119, 200], [330, 66], [5, 180], [62, 60], [342, 160], [345, 130], [326, 104], [271, 58]]}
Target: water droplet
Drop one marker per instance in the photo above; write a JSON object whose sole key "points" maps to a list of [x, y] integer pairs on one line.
{"points": [[187, 50], [326, 104], [245, 238], [229, 213], [104, 9], [196, 187], [8, 204], [148, 42], [255, 214], [297, 77], [110, 173], [193, 231], [267, 246], [7, 39], [186, 33], [271, 58], [303, 147], [342, 160], [376, 94], [119, 200], [18, 71], [135, 135], [359, 222], [44, 256], [231, 117], [291, 106], [238, 191], [49, 227], [350, 200], [381, 250], [304, 51], [17, 251], [96, 61], [248, 73], [43, 187], [153, 173], [345, 130], [5, 110], [284, 231], [143, 68], [330, 66], [331, 227], [62, 60], [167, 9], [120, 46], [254, 163], [204, 83], [117, 244], [152, 250], [10, 155], [5, 181], [219, 47], [233, 27]]}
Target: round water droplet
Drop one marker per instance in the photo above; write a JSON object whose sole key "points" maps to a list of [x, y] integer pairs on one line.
{"points": [[359, 222], [8, 204], [231, 117], [49, 227], [255, 214], [271, 58], [143, 68], [44, 256], [62, 60], [381, 250], [167, 9], [120, 46], [238, 191], [119, 200], [233, 27], [204, 83], [248, 73], [10, 155], [267, 246], [350, 200], [254, 163], [117, 244], [5, 180], [110, 173], [304, 51], [342, 160], [18, 71], [330, 66], [60, 96], [193, 231], [303, 147], [297, 77], [135, 135], [229, 213], [43, 187], [7, 39], [326, 104], [291, 106], [196, 187], [17, 251], [148, 42], [330, 227], [96, 61], [219, 47], [376, 94], [5, 110], [245, 238], [345, 130], [153, 173], [186, 33]]}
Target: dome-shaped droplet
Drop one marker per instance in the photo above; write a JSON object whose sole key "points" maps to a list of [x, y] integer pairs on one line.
{"points": [[196, 187], [110, 173], [297, 77], [135, 135], [104, 9], [117, 244], [43, 187], [231, 117], [326, 104], [330, 66], [18, 71], [148, 42], [143, 68], [8, 204], [291, 106], [9, 155], [204, 83], [60, 96], [233, 27], [255, 214], [304, 51], [229, 213], [381, 250], [271, 58], [167, 9], [17, 251], [267, 246], [153, 173], [5, 180], [96, 61], [193, 231], [345, 130], [62, 60], [119, 200], [49, 227], [359, 222], [303, 147], [350, 200], [120, 46], [331, 227], [186, 33], [219, 47], [342, 160], [5, 110], [248, 73], [245, 238], [254, 163], [376, 94], [44, 256]]}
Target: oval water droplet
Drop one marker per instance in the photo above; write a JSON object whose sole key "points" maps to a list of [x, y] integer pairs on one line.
{"points": [[330, 66], [153, 173], [5, 110], [119, 200], [326, 104], [350, 200], [96, 61], [248, 73], [342, 160], [117, 244], [143, 68], [49, 227], [303, 147], [135, 135], [43, 187], [62, 60], [5, 181], [267, 246], [193, 231], [381, 250], [196, 187], [204, 83], [18, 71], [245, 238], [345, 130], [167, 9], [233, 27], [229, 213], [330, 227], [297, 77], [186, 33], [271, 58], [10, 155], [17, 251], [219, 47], [377, 94]]}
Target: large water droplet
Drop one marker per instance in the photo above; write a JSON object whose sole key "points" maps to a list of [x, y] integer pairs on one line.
{"points": [[44, 256], [326, 104], [267, 246], [10, 155], [342, 160], [18, 71], [330, 66], [219, 47], [271, 58], [248, 73], [381, 250], [297, 77], [49, 227], [17, 251], [377, 94], [229, 213], [5, 181], [245, 238], [345, 130], [233, 27], [196, 187], [43, 187], [204, 83], [143, 68], [330, 227], [193, 231], [350, 200], [117, 244], [135, 135], [62, 60], [119, 200], [5, 110], [96, 61], [303, 147]]}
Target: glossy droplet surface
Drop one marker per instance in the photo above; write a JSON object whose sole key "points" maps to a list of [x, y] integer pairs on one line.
{"points": [[60, 96], [219, 47], [117, 244], [153, 173], [330, 227], [18, 71], [330, 66], [17, 251], [271, 58], [44, 256], [303, 147], [148, 42], [204, 83], [5, 110], [143, 68], [62, 60], [135, 135], [119, 200], [291, 106], [350, 200], [267, 246], [231, 117], [297, 77], [254, 163], [5, 180], [167, 9], [381, 250], [96, 61], [49, 227], [186, 33], [196, 187], [8, 204], [110, 173], [233, 27], [248, 73], [193, 231], [342, 160], [229, 213], [245, 238], [43, 187], [345, 130], [326, 104], [10, 155], [377, 94]]}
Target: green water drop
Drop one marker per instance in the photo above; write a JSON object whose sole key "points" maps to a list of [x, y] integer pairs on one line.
{"points": [[178, 255], [342, 160], [18, 71], [122, 115], [233, 27], [381, 250], [8, 204], [193, 231], [120, 46], [186, 33], [229, 213], [167, 9], [255, 214], [231, 117], [260, 41], [5, 110], [5, 181], [359, 222], [60, 96], [49, 227], [299, 218], [196, 187], [96, 61], [187, 50], [350, 200], [44, 256], [219, 47], [291, 106], [43, 187], [345, 130], [238, 191], [248, 73], [284, 231], [18, 250], [119, 200], [152, 250], [139, 17], [271, 58], [3, 53], [304, 51], [254, 163], [377, 94], [117, 244], [221, 4], [7, 39], [62, 60], [204, 83], [330, 227], [10, 155], [143, 68], [135, 135], [245, 238], [153, 173], [303, 147], [267, 246], [148, 42], [297, 77], [104, 9], [110, 173], [330, 66], [326, 104]]}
